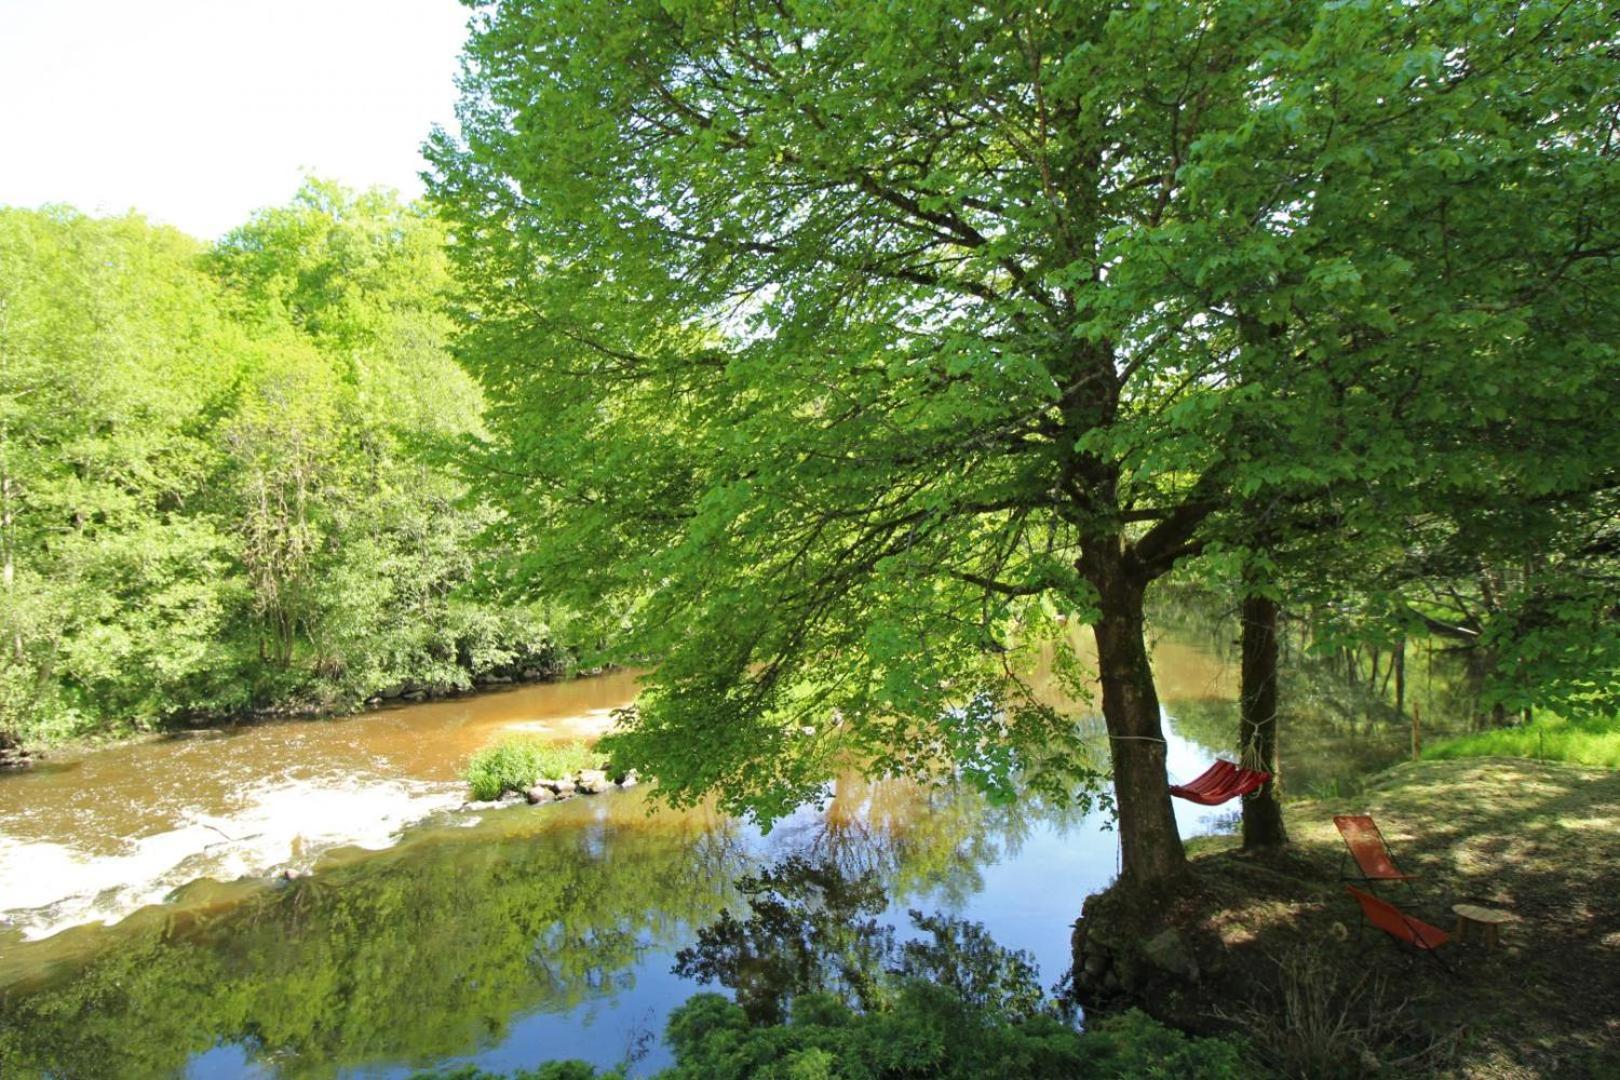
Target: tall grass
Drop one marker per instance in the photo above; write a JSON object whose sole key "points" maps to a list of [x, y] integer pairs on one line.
{"points": [[1551, 738], [515, 764]]}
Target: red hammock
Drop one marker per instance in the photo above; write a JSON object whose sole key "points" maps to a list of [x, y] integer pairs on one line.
{"points": [[1220, 782]]}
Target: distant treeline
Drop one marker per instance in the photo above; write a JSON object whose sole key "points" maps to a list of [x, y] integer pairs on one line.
{"points": [[227, 473]]}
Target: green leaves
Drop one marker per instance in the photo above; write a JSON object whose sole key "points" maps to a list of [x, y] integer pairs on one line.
{"points": [[820, 341], [228, 477]]}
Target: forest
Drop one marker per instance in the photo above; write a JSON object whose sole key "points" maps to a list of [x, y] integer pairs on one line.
{"points": [[228, 477]]}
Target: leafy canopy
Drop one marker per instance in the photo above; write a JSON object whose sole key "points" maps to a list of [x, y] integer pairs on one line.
{"points": [[843, 353]]}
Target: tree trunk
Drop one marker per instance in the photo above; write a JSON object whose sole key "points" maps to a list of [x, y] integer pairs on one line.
{"points": [[1257, 723], [8, 565], [1400, 678], [1150, 846]]}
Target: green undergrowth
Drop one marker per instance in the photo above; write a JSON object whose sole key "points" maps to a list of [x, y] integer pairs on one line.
{"points": [[516, 763], [1594, 742], [929, 1032]]}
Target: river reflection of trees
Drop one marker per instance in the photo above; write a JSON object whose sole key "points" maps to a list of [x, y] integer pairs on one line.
{"points": [[812, 927], [431, 949]]}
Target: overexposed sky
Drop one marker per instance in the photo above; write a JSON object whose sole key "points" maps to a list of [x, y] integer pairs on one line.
{"points": [[198, 112]]}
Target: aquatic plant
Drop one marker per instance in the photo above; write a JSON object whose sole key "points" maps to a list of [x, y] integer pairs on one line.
{"points": [[514, 764]]}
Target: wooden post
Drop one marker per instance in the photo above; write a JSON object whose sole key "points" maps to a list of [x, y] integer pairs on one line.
{"points": [[1417, 732]]}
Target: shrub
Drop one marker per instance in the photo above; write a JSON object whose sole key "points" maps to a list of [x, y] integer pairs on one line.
{"points": [[929, 1031], [1325, 1023], [551, 1070], [514, 764]]}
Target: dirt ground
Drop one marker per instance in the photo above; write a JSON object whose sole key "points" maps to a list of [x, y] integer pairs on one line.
{"points": [[1284, 958]]}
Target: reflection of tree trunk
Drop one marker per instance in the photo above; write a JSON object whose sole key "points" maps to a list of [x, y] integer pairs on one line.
{"points": [[1150, 846], [1257, 724]]}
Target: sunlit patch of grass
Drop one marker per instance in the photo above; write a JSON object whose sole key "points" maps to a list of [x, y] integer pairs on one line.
{"points": [[1584, 742], [515, 764]]}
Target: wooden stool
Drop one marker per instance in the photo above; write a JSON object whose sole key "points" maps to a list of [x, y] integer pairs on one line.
{"points": [[1489, 920]]}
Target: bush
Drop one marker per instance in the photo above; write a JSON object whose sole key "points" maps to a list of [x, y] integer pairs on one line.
{"points": [[515, 764], [931, 1032], [1134, 1044], [551, 1070], [928, 1032]]}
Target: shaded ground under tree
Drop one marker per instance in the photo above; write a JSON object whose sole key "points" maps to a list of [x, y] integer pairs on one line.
{"points": [[1274, 944]]}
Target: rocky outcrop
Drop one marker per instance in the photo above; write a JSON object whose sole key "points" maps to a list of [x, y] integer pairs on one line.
{"points": [[1128, 954], [13, 755]]}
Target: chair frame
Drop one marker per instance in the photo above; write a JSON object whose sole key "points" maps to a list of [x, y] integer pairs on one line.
{"points": [[1349, 853], [1415, 926]]}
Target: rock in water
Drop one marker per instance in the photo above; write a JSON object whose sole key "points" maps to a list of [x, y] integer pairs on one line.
{"points": [[629, 779], [540, 794], [563, 788], [593, 781]]}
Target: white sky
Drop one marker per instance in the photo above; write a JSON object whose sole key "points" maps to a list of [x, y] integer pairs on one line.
{"points": [[198, 112]]}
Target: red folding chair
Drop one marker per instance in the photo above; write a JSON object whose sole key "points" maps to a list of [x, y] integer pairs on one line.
{"points": [[1404, 928], [1367, 847]]}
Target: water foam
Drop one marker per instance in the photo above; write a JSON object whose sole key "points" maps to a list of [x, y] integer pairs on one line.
{"points": [[46, 886]]}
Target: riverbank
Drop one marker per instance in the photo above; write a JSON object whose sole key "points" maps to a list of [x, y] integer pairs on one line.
{"points": [[1272, 947], [92, 834], [16, 754]]}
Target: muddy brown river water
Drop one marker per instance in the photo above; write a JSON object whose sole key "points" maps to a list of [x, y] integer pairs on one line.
{"points": [[95, 834]]}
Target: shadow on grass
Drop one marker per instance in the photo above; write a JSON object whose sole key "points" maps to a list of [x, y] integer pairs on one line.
{"points": [[1540, 840]]}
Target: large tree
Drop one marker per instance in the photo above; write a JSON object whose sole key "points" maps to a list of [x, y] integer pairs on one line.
{"points": [[850, 351]]}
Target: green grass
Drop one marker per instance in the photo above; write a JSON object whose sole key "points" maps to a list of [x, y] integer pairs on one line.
{"points": [[514, 764], [1582, 742]]}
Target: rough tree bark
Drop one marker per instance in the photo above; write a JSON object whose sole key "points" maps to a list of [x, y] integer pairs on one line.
{"points": [[1150, 845], [1257, 723]]}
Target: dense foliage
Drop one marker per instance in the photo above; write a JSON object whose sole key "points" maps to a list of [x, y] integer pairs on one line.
{"points": [[870, 347], [928, 1033], [223, 479]]}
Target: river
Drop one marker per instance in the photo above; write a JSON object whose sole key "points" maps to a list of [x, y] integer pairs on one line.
{"points": [[145, 932]]}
